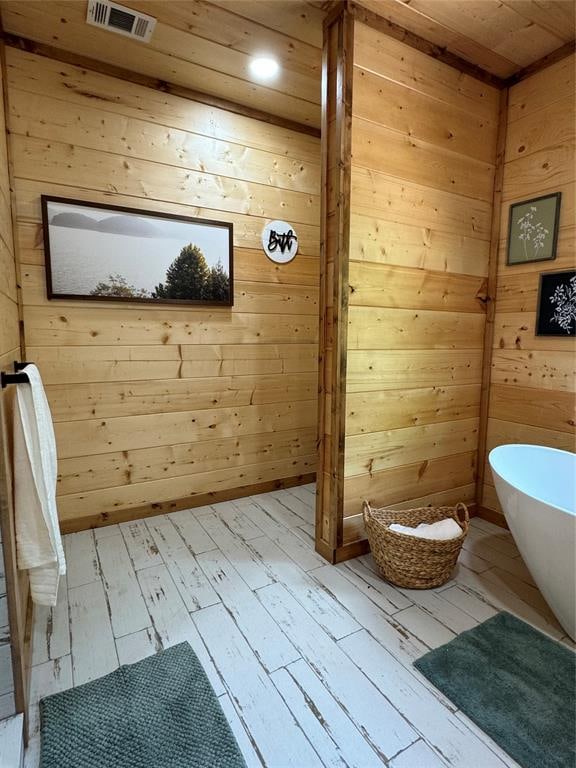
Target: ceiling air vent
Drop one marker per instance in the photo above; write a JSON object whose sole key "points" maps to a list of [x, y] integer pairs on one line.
{"points": [[118, 18]]}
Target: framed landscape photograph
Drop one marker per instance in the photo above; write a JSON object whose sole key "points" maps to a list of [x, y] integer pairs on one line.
{"points": [[533, 229], [102, 252], [556, 312]]}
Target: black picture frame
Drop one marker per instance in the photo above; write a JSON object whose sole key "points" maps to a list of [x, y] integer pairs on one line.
{"points": [[548, 323], [49, 255], [557, 197]]}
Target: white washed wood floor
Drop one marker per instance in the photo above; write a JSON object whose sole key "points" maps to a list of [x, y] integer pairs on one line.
{"points": [[312, 663]]}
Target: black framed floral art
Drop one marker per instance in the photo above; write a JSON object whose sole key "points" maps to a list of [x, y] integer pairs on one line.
{"points": [[557, 304]]}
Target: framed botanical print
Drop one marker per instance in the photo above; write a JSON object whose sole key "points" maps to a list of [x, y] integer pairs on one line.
{"points": [[533, 229]]}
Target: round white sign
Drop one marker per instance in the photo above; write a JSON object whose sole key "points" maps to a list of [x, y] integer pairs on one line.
{"points": [[280, 241]]}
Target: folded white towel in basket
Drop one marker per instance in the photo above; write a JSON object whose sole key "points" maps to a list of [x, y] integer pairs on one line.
{"points": [[441, 531]]}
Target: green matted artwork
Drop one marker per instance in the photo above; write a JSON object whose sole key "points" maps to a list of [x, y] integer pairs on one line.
{"points": [[533, 229]]}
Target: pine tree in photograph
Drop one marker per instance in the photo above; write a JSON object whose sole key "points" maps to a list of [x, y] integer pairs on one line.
{"points": [[186, 276], [190, 278], [218, 284]]}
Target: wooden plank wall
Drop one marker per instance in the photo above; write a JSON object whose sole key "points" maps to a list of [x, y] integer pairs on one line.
{"points": [[533, 378], [9, 351], [9, 331], [423, 155], [207, 46], [158, 405], [15, 608]]}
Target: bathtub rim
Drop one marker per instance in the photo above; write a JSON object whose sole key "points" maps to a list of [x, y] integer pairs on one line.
{"points": [[546, 448]]}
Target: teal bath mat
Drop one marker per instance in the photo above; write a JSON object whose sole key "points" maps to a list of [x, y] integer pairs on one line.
{"points": [[158, 713], [516, 684]]}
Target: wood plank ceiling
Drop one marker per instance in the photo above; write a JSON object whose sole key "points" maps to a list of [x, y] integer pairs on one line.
{"points": [[501, 36], [207, 46]]}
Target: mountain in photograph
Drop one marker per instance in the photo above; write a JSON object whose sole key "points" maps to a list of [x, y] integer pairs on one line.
{"points": [[74, 221], [114, 225], [128, 225]]}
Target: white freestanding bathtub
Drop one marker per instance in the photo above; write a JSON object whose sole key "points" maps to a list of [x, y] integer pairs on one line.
{"points": [[536, 487]]}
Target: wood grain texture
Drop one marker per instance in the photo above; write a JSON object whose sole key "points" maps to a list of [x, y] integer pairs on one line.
{"points": [[542, 89], [491, 283], [106, 470], [385, 196], [388, 103], [206, 48], [379, 53], [112, 96], [15, 654], [403, 243], [87, 126], [395, 409], [532, 391], [380, 285], [369, 453], [186, 402], [378, 148], [550, 409], [410, 481], [422, 44], [337, 86], [383, 369], [74, 166], [389, 328], [421, 226], [130, 513], [501, 37]]}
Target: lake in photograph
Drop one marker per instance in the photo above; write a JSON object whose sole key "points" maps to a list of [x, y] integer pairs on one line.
{"points": [[89, 247]]}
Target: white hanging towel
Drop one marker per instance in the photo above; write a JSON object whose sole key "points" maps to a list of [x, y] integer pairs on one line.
{"points": [[38, 541]]}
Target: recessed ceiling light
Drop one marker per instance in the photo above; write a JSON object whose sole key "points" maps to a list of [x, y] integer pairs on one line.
{"points": [[264, 67]]}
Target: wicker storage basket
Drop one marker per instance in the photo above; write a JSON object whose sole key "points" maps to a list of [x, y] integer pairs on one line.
{"points": [[406, 560]]}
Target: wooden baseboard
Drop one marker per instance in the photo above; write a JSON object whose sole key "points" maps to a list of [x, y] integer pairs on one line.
{"points": [[492, 516], [325, 550], [149, 510], [351, 550], [345, 552]]}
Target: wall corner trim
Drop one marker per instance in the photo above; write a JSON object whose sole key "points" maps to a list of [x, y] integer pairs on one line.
{"points": [[491, 293], [546, 61], [337, 76]]}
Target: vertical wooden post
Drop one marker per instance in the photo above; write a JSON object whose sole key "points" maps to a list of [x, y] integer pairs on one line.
{"points": [[334, 254], [491, 294]]}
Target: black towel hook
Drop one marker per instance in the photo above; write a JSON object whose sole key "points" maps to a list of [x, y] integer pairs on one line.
{"points": [[14, 378]]}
